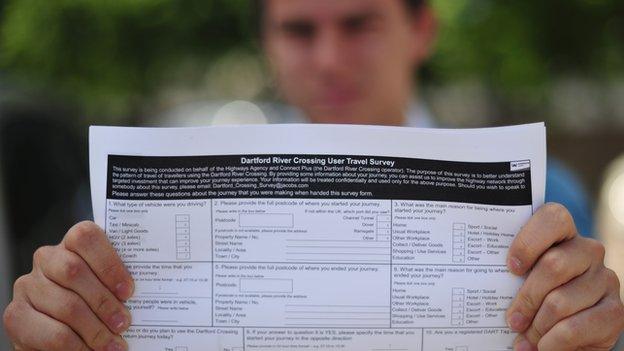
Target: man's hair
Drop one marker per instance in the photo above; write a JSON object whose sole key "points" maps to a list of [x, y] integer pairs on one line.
{"points": [[414, 4], [257, 12]]}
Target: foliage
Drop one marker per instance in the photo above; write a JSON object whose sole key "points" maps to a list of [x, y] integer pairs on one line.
{"points": [[111, 55], [524, 43], [114, 53]]}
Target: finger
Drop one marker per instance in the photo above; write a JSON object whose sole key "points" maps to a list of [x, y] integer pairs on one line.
{"points": [[556, 267], [567, 300], [551, 224], [595, 328], [90, 242], [67, 307], [22, 348], [8, 319], [68, 270], [33, 330]]}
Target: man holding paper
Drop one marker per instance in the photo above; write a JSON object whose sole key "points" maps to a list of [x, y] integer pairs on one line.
{"points": [[339, 62]]}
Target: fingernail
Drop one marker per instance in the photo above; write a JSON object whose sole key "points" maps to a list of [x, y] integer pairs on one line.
{"points": [[514, 264], [523, 346], [119, 322], [123, 290], [517, 321], [114, 346]]}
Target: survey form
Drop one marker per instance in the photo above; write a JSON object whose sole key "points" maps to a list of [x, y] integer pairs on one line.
{"points": [[317, 237]]}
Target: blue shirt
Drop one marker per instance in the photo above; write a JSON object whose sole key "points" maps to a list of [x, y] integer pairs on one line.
{"points": [[564, 187]]}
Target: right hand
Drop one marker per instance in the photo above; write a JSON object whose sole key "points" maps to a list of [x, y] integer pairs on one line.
{"points": [[73, 298]]}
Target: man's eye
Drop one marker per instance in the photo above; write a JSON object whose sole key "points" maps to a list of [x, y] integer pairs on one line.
{"points": [[299, 30], [358, 25]]}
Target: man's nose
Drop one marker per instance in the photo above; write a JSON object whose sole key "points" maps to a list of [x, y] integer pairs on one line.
{"points": [[331, 51]]}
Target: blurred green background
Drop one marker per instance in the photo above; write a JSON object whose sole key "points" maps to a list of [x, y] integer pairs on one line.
{"points": [[496, 62], [117, 60]]}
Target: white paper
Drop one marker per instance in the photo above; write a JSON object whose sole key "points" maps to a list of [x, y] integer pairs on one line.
{"points": [[317, 237]]}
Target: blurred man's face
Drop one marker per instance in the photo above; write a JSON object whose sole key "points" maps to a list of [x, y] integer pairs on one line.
{"points": [[344, 61]]}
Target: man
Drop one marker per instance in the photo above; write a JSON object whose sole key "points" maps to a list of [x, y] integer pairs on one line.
{"points": [[347, 61]]}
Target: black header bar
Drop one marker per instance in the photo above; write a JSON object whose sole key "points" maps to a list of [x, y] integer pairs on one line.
{"points": [[317, 176]]}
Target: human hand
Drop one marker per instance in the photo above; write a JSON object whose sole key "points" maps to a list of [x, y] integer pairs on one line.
{"points": [[72, 299], [570, 300]]}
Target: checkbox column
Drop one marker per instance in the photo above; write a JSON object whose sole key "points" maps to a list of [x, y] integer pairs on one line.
{"points": [[459, 242], [183, 236], [457, 306], [383, 227]]}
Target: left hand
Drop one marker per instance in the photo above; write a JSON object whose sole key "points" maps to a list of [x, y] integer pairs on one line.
{"points": [[569, 300]]}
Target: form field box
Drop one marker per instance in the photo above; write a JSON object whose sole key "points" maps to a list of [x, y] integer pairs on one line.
{"points": [[183, 243], [183, 218], [383, 231], [383, 218], [183, 237], [267, 220], [265, 285], [383, 225]]}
